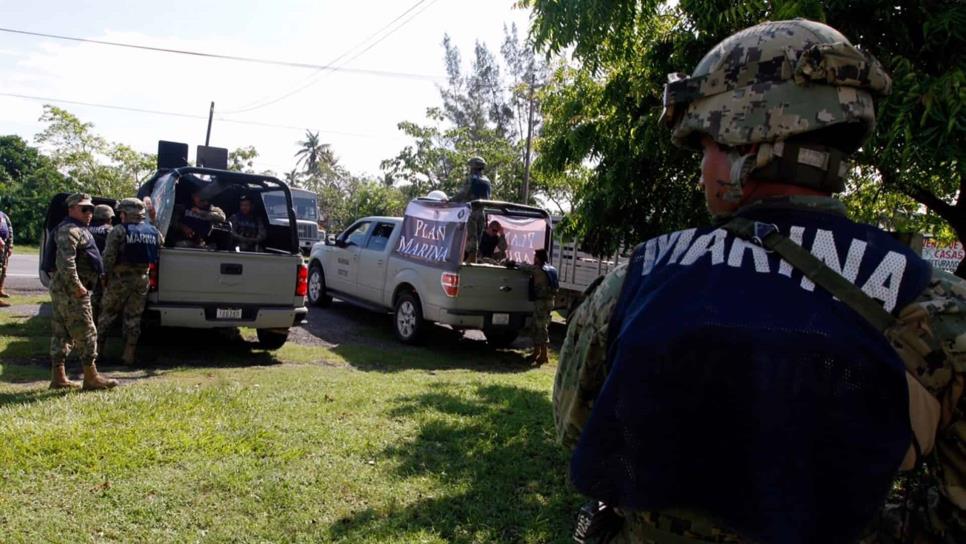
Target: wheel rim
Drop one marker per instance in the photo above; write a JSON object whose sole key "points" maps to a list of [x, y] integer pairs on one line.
{"points": [[406, 319], [315, 285]]}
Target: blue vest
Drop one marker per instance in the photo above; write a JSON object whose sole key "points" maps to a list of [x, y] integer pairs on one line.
{"points": [[738, 390], [141, 243], [553, 276], [4, 227], [88, 247], [479, 188], [100, 233]]}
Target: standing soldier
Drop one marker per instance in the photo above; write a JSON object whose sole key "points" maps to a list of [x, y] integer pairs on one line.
{"points": [[99, 227], [72, 259], [6, 249], [132, 247], [477, 187], [762, 381], [544, 284], [247, 229]]}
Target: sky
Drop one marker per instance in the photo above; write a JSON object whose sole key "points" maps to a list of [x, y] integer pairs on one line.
{"points": [[356, 113]]}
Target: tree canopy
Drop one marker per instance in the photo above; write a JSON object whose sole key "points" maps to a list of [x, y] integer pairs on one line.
{"points": [[604, 112]]}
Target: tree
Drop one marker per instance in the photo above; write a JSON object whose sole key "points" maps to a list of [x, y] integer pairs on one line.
{"points": [[91, 162], [314, 156], [482, 113], [606, 110], [28, 180], [242, 159]]}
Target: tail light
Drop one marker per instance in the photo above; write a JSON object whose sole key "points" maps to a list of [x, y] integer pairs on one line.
{"points": [[153, 277], [450, 283], [302, 281]]}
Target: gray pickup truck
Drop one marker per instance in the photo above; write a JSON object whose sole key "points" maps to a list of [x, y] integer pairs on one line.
{"points": [[413, 267], [218, 286]]}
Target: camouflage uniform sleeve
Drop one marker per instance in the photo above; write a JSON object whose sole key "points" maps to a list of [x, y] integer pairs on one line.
{"points": [[68, 238], [115, 239], [581, 371], [216, 215], [945, 302]]}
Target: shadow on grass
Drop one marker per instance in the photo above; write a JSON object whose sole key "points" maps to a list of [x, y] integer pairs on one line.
{"points": [[492, 451]]}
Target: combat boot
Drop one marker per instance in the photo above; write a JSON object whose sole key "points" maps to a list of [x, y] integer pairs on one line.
{"points": [[59, 379], [93, 380], [128, 356]]}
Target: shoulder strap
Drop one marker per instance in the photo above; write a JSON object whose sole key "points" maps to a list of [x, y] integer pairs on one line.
{"points": [[767, 236]]}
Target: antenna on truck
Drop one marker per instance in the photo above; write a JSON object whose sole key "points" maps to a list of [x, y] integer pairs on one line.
{"points": [[211, 114]]}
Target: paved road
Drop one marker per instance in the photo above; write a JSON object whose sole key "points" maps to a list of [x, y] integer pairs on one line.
{"points": [[22, 275]]}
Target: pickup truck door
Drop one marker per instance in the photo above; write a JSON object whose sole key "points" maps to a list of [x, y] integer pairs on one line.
{"points": [[343, 265], [373, 260]]}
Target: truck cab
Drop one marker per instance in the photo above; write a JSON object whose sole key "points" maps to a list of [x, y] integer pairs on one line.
{"points": [[306, 207]]}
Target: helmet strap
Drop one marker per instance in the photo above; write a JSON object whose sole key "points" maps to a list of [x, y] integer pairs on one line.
{"points": [[808, 165], [742, 165]]}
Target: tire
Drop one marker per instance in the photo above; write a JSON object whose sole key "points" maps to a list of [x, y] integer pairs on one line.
{"points": [[407, 319], [316, 288], [500, 338], [271, 338]]}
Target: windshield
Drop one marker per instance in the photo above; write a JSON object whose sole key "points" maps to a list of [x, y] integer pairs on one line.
{"points": [[305, 207]]}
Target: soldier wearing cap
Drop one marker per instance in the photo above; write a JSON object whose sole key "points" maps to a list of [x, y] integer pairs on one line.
{"points": [[132, 247], [99, 227], [72, 259], [763, 380], [247, 229], [477, 187]]}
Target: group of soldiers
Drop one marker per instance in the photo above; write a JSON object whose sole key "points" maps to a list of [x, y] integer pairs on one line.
{"points": [[93, 264], [193, 224]]}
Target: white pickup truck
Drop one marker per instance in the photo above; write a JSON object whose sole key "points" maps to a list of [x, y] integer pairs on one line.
{"points": [[218, 286], [413, 267]]}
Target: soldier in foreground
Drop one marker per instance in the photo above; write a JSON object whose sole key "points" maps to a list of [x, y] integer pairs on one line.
{"points": [[247, 230], [72, 259], [544, 284], [6, 249], [99, 227], [711, 390], [132, 247]]}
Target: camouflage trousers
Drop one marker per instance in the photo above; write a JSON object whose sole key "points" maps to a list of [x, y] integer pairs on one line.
{"points": [[125, 296], [4, 257], [72, 325], [540, 323], [97, 293], [474, 228]]}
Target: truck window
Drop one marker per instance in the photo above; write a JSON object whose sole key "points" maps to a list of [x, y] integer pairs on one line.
{"points": [[357, 234], [380, 237]]}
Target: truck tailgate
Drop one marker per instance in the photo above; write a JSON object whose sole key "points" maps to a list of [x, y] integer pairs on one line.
{"points": [[493, 288], [200, 276]]}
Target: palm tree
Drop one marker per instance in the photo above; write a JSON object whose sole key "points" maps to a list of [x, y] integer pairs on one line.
{"points": [[292, 177], [313, 154]]}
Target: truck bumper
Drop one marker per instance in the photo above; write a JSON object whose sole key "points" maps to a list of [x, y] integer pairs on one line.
{"points": [[205, 316], [473, 319]]}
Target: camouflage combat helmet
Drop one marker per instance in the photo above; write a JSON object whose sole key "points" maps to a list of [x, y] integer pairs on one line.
{"points": [[476, 163], [133, 207], [103, 212], [774, 81]]}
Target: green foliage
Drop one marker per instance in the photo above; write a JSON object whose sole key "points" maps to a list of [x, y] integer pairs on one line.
{"points": [[28, 180], [361, 198], [604, 113], [242, 159], [89, 161]]}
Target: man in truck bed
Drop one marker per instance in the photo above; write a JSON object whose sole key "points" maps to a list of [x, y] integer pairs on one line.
{"points": [[193, 225]]}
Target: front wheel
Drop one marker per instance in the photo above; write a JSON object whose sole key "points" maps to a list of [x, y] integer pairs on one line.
{"points": [[271, 338], [408, 319], [316, 291]]}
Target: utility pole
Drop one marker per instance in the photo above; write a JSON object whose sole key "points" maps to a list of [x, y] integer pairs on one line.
{"points": [[526, 159], [211, 114]]}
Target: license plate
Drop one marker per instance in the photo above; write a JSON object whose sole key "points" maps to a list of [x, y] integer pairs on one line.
{"points": [[228, 313], [501, 319]]}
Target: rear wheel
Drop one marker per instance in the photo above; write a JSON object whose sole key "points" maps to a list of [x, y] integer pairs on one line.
{"points": [[500, 338], [316, 292], [408, 319], [271, 338]]}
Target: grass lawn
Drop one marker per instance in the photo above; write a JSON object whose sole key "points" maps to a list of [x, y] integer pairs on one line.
{"points": [[25, 249], [350, 444]]}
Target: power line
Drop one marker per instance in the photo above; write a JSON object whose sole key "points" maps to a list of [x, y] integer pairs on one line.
{"points": [[313, 79], [318, 67], [184, 115]]}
